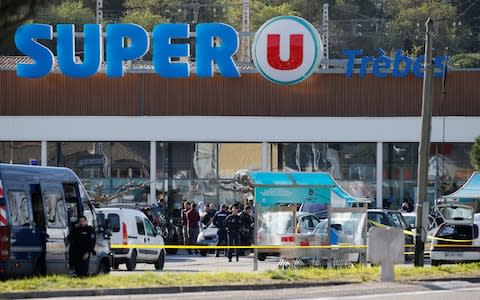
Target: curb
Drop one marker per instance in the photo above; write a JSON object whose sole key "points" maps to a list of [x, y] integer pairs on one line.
{"points": [[165, 290]]}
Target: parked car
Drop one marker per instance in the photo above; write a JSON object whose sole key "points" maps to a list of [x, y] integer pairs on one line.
{"points": [[274, 225], [458, 229], [132, 227], [393, 218]]}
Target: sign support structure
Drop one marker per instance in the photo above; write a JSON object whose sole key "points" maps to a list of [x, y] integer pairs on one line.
{"points": [[422, 208]]}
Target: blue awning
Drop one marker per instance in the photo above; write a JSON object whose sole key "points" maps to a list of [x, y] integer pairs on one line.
{"points": [[317, 179], [470, 190], [344, 195]]}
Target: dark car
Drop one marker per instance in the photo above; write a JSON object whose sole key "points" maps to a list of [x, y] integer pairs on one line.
{"points": [[392, 218]]}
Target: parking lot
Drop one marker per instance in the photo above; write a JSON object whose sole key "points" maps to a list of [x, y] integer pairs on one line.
{"points": [[183, 262]]}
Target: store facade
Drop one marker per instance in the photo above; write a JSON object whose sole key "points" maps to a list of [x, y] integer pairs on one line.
{"points": [[186, 138]]}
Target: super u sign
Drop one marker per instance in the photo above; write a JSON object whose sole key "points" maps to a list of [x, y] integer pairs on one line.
{"points": [[286, 49]]}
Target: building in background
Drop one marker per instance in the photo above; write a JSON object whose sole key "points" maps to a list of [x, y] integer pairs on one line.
{"points": [[190, 136]]}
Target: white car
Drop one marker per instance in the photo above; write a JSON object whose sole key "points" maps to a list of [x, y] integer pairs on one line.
{"points": [[132, 227], [457, 230]]}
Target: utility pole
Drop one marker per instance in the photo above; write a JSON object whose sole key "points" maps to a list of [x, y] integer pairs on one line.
{"points": [[245, 38], [325, 37], [99, 11], [421, 222]]}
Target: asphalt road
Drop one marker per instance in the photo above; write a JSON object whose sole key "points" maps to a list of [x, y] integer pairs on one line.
{"points": [[195, 263], [417, 290], [210, 263]]}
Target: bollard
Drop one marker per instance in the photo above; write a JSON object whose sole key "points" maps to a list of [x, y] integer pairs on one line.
{"points": [[385, 247]]}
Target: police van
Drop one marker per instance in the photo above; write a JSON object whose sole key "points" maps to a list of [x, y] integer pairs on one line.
{"points": [[38, 208]]}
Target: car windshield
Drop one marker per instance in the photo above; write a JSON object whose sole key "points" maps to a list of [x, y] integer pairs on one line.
{"points": [[398, 220], [381, 218], [457, 212], [410, 220], [319, 210], [277, 222]]}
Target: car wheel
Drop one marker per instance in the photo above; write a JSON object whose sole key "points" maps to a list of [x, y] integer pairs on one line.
{"points": [[103, 268], [132, 262], [160, 261], [262, 256], [436, 263], [39, 269]]}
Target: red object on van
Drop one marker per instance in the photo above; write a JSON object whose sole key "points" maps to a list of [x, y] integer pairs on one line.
{"points": [[125, 234]]}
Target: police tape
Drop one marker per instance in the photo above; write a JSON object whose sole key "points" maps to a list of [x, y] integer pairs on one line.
{"points": [[342, 246], [429, 237]]}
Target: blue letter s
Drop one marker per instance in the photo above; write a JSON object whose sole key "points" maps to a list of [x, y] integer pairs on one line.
{"points": [[25, 40]]}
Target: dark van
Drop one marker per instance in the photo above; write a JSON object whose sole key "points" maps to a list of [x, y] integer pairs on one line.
{"points": [[38, 208]]}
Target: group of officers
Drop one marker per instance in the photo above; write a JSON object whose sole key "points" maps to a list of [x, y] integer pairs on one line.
{"points": [[235, 228]]}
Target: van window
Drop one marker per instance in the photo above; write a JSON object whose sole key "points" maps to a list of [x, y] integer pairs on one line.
{"points": [[149, 227], [115, 221], [55, 207], [19, 208], [140, 227], [71, 199]]}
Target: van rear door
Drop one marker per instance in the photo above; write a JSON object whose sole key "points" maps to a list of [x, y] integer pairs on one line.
{"points": [[56, 256]]}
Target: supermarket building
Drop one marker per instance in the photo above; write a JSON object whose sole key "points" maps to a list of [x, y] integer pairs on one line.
{"points": [[187, 137]]}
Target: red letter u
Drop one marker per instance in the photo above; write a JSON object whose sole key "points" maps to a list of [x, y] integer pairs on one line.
{"points": [[296, 52]]}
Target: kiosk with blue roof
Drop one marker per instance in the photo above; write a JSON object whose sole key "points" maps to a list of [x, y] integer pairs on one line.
{"points": [[300, 237]]}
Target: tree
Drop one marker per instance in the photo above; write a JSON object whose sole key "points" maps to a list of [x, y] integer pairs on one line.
{"points": [[407, 28], [466, 60], [144, 17], [475, 154], [15, 12], [69, 11], [259, 14]]}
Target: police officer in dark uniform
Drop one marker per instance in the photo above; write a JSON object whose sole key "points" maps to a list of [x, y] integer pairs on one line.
{"points": [[82, 244], [218, 221], [233, 223], [247, 227]]}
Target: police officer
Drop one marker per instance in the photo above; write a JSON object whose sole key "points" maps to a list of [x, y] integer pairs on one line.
{"points": [[247, 226], [233, 223], [82, 244], [218, 221]]}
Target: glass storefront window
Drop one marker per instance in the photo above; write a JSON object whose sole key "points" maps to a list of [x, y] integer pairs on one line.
{"points": [[20, 152], [449, 167], [104, 167], [353, 165], [238, 156]]}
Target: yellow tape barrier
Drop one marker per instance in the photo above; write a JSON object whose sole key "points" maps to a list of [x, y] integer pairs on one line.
{"points": [[408, 232], [343, 246]]}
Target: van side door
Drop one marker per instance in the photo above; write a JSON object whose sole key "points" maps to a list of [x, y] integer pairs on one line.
{"points": [[143, 254], [152, 239], [56, 250], [26, 240]]}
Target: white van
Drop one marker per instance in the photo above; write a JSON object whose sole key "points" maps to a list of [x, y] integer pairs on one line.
{"points": [[131, 227]]}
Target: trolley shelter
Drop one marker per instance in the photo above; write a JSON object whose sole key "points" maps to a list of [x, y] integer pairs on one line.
{"points": [[307, 219], [469, 193]]}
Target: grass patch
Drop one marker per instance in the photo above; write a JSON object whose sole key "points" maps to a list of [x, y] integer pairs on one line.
{"points": [[158, 279]]}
